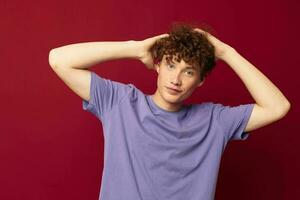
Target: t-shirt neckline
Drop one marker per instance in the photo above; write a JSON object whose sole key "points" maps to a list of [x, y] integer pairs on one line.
{"points": [[158, 109]]}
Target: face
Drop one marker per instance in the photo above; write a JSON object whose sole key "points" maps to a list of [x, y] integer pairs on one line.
{"points": [[176, 81]]}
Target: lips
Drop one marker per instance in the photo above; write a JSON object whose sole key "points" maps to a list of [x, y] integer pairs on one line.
{"points": [[173, 89]]}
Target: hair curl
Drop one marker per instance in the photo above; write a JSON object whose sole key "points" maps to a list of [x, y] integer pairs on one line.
{"points": [[185, 43]]}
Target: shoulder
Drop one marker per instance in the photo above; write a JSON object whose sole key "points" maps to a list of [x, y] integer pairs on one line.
{"points": [[205, 106]]}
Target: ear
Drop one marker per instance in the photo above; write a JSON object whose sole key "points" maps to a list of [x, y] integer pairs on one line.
{"points": [[201, 83], [157, 67]]}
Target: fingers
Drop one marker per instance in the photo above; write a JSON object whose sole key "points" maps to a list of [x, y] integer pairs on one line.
{"points": [[200, 31], [164, 35], [161, 36]]}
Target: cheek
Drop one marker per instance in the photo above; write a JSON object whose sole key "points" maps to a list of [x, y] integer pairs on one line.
{"points": [[159, 82], [161, 78], [191, 85]]}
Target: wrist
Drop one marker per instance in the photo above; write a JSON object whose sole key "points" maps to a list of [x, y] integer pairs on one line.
{"points": [[134, 49], [140, 50], [228, 50]]}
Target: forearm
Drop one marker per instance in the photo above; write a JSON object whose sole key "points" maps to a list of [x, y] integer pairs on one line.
{"points": [[264, 92], [84, 55]]}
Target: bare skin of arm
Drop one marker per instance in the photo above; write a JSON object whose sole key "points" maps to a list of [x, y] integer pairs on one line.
{"points": [[271, 105], [71, 62]]}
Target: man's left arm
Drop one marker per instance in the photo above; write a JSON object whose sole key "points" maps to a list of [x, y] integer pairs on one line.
{"points": [[270, 104]]}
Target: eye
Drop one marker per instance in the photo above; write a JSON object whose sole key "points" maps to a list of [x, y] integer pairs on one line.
{"points": [[170, 66], [190, 73]]}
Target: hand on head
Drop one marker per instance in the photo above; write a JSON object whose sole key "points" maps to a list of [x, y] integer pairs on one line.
{"points": [[145, 54]]}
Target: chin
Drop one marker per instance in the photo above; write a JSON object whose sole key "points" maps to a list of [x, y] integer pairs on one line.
{"points": [[174, 99]]}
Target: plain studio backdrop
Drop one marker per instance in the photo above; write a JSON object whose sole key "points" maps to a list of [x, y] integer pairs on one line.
{"points": [[50, 148]]}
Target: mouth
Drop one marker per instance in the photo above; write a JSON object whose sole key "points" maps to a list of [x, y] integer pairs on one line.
{"points": [[173, 90]]}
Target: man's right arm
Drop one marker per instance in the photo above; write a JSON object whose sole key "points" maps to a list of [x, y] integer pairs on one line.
{"points": [[70, 62]]}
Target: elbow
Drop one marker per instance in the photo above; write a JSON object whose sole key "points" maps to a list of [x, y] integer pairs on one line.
{"points": [[288, 107], [52, 57], [55, 59], [284, 109]]}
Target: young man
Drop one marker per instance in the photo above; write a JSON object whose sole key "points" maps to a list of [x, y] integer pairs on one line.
{"points": [[156, 147]]}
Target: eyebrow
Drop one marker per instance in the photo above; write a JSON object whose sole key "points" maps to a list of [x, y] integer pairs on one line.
{"points": [[191, 67], [188, 67]]}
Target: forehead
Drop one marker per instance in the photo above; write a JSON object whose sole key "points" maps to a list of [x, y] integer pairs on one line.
{"points": [[174, 60]]}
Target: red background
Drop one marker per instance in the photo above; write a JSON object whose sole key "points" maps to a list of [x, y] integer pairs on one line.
{"points": [[52, 149]]}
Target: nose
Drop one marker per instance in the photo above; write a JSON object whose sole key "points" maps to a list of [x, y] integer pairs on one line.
{"points": [[176, 79]]}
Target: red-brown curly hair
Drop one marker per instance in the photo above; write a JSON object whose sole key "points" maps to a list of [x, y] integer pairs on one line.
{"points": [[185, 43]]}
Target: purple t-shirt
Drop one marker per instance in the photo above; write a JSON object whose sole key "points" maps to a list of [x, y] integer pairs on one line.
{"points": [[154, 154]]}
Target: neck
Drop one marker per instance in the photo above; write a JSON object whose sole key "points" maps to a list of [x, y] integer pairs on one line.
{"points": [[160, 102]]}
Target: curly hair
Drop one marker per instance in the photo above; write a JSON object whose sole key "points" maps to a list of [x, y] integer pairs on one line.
{"points": [[185, 43]]}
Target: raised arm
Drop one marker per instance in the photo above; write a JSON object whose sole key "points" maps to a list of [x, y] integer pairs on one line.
{"points": [[271, 105], [70, 62], [84, 55]]}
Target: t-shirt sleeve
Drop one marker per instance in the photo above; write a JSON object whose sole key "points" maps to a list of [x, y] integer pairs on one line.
{"points": [[233, 120], [104, 95]]}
